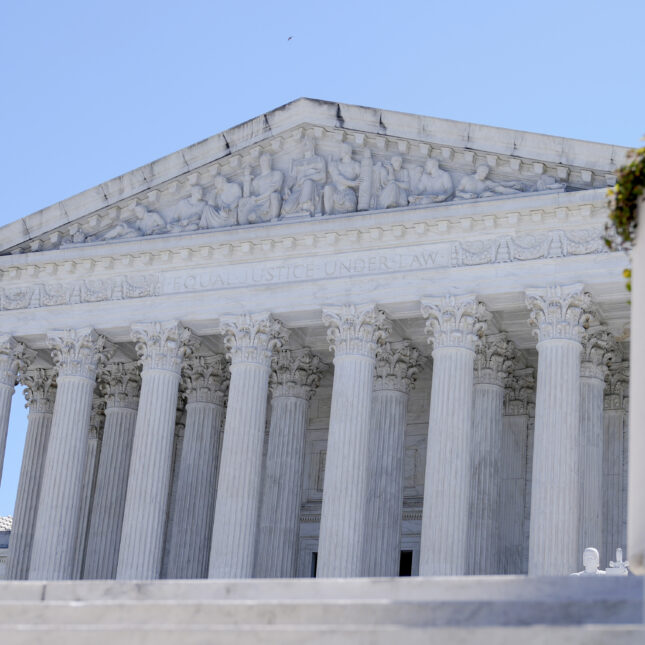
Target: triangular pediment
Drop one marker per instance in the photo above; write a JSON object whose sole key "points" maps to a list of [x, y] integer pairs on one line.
{"points": [[315, 159]]}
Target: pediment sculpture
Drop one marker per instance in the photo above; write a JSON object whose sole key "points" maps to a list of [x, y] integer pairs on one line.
{"points": [[311, 176]]}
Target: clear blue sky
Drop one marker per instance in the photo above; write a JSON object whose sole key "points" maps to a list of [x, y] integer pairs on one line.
{"points": [[93, 89]]}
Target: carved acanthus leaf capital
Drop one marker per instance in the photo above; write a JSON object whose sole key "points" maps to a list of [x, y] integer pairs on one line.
{"points": [[356, 329], [519, 389], [40, 389], [78, 352], [494, 359], [599, 349], [617, 386], [120, 384], [161, 345], [252, 338], [454, 321], [296, 372], [97, 418], [559, 312], [205, 379], [14, 358], [397, 366]]}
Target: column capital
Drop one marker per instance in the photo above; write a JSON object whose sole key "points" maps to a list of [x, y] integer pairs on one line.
{"points": [[40, 389], [14, 358], [252, 338], [78, 352], [355, 329], [559, 311], [599, 349], [617, 386], [161, 345], [397, 366], [454, 321], [205, 379], [296, 372], [494, 359], [120, 384], [519, 392], [97, 418]]}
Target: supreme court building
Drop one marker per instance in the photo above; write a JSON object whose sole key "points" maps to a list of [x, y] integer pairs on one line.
{"points": [[333, 341]]}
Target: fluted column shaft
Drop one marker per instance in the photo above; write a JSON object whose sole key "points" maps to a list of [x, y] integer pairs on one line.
{"points": [[120, 385], [161, 347], [40, 397], [557, 312], [53, 553], [250, 340], [355, 333], [295, 376], [453, 323], [14, 357], [206, 382], [397, 365]]}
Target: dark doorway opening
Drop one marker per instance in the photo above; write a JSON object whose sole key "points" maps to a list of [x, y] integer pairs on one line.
{"points": [[314, 563], [405, 563]]}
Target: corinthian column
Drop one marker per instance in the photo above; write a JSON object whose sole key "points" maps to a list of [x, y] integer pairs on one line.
{"points": [[397, 366], [14, 357], [294, 378], [77, 354], [161, 347], [40, 392], [454, 325], [120, 384], [354, 333], [250, 341], [492, 360], [205, 380], [558, 314], [597, 350]]}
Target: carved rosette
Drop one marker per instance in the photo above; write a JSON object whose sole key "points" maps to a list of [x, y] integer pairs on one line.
{"points": [[397, 366], [296, 372], [14, 358], [356, 329], [519, 390], [559, 312], [161, 345], [120, 384], [40, 390], [617, 386], [252, 338], [454, 321], [493, 359], [78, 352], [599, 349], [205, 379]]}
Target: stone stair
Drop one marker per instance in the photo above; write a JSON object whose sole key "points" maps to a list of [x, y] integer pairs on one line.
{"points": [[285, 612]]}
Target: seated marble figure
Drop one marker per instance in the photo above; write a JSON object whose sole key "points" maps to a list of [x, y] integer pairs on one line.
{"points": [[433, 186], [220, 208], [339, 196], [187, 214], [478, 185], [394, 183], [303, 190], [262, 200]]}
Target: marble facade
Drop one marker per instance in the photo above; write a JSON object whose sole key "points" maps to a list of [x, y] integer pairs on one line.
{"points": [[321, 339]]}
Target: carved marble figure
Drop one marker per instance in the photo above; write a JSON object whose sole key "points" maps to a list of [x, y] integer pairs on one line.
{"points": [[262, 199], [546, 182], [303, 190], [188, 213], [434, 185], [221, 204], [619, 566], [591, 563], [149, 222], [478, 185], [339, 196], [393, 182]]}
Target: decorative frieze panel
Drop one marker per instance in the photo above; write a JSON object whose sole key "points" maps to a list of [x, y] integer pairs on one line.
{"points": [[315, 172]]}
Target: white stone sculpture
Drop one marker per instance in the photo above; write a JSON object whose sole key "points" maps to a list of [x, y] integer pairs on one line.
{"points": [[591, 563], [619, 566], [478, 185], [188, 212], [303, 190], [221, 204], [392, 183], [262, 198], [339, 196], [149, 222], [546, 182], [432, 186]]}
